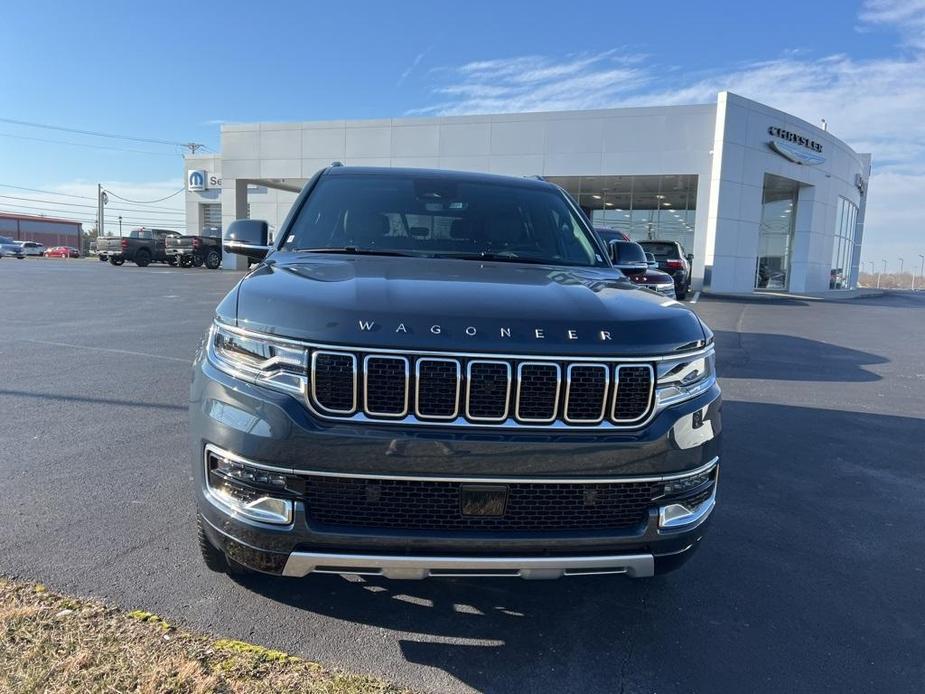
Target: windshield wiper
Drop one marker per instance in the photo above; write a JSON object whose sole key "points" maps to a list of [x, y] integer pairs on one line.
{"points": [[353, 250], [497, 257]]}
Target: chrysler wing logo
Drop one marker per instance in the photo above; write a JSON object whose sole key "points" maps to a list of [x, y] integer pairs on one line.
{"points": [[795, 153]]}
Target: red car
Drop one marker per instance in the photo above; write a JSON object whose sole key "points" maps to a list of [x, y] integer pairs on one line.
{"points": [[62, 252]]}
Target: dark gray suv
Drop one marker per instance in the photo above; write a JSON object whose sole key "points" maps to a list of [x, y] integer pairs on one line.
{"points": [[434, 373]]}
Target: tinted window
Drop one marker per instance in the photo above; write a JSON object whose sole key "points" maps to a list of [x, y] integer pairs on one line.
{"points": [[139, 234], [432, 216], [662, 250], [629, 252]]}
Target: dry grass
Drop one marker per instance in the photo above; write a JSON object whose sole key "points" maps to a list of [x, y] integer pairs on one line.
{"points": [[51, 643]]}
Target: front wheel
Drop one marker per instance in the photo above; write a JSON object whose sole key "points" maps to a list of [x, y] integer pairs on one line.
{"points": [[213, 260], [116, 261], [197, 261], [186, 261], [142, 258], [172, 260], [102, 258]]}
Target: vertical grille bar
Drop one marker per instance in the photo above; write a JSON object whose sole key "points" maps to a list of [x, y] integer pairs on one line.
{"points": [[436, 388], [385, 385], [538, 385], [632, 396], [488, 390], [586, 388], [334, 381]]}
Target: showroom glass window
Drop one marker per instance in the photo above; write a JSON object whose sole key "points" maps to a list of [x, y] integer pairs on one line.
{"points": [[775, 235], [846, 217], [647, 208]]}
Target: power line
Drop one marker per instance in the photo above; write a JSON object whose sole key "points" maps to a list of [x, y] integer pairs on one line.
{"points": [[146, 202], [81, 215], [86, 144], [69, 195], [178, 213], [95, 133]]}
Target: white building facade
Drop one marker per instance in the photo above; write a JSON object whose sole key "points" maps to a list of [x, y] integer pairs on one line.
{"points": [[762, 199]]}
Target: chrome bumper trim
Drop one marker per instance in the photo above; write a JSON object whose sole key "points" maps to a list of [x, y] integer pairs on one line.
{"points": [[419, 567]]}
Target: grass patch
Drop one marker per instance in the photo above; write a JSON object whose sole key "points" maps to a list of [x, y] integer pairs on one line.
{"points": [[52, 643]]}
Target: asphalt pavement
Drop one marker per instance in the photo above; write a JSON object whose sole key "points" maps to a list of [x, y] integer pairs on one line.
{"points": [[812, 577]]}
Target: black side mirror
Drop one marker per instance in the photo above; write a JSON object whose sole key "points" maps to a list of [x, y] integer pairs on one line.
{"points": [[689, 256], [247, 237]]}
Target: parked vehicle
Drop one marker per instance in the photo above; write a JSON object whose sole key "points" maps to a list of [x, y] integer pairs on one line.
{"points": [[32, 248], [10, 248], [195, 251], [640, 267], [141, 246], [441, 373], [672, 259], [62, 252]]}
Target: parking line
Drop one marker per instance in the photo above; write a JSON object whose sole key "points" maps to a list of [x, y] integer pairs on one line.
{"points": [[109, 349], [695, 297]]}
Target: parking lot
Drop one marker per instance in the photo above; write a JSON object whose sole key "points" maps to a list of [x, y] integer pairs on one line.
{"points": [[812, 577]]}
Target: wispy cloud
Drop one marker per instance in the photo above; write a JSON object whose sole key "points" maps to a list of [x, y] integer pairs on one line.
{"points": [[876, 105], [412, 67]]}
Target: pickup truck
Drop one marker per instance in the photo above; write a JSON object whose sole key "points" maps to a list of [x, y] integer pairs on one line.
{"points": [[141, 246], [195, 251], [436, 373]]}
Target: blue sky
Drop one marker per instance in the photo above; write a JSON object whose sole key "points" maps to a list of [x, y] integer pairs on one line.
{"points": [[173, 71]]}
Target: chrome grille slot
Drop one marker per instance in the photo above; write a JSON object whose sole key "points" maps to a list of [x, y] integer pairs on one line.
{"points": [[488, 390], [537, 391], [385, 391], [633, 392], [437, 388], [586, 393], [334, 381]]}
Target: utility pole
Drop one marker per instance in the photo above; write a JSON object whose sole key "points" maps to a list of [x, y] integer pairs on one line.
{"points": [[921, 272], [193, 147], [99, 210], [120, 225]]}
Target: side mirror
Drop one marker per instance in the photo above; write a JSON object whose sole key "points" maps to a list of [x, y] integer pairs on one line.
{"points": [[247, 237], [690, 257]]}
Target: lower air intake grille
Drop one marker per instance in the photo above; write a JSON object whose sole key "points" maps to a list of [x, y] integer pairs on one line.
{"points": [[428, 505]]}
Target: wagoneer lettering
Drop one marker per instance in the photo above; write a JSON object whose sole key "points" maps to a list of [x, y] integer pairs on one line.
{"points": [[440, 373]]}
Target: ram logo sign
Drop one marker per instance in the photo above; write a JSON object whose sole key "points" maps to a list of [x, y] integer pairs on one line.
{"points": [[196, 180]]}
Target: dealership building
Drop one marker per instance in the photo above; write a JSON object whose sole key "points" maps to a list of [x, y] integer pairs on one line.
{"points": [[762, 199]]}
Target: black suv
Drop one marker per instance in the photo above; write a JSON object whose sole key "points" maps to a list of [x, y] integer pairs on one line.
{"points": [[672, 259], [434, 373]]}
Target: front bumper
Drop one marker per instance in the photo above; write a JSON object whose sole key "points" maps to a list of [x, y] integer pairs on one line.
{"points": [[274, 430]]}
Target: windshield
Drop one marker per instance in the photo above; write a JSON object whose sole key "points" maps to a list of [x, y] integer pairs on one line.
{"points": [[661, 250], [432, 216]]}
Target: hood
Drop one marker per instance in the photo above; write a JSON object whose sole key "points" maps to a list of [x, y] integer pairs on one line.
{"points": [[459, 305], [651, 276]]}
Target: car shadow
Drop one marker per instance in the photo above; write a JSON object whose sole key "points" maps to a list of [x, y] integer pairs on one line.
{"points": [[798, 581], [789, 358]]}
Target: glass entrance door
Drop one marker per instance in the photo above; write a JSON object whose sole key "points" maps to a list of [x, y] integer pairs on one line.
{"points": [[775, 237]]}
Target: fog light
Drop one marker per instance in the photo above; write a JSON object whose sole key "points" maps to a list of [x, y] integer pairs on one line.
{"points": [[245, 490]]}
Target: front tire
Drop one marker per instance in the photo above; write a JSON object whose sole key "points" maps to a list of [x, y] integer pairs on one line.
{"points": [[142, 258], [212, 557], [213, 260], [172, 261], [197, 261], [116, 261], [186, 261]]}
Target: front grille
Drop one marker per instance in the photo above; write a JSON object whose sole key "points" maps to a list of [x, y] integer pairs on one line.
{"points": [[400, 504], [633, 393], [334, 381], [483, 391]]}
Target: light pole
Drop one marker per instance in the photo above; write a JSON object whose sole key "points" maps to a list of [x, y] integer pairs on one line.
{"points": [[921, 272], [120, 225], [881, 273]]}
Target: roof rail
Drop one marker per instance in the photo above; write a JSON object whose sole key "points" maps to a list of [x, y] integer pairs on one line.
{"points": [[337, 163]]}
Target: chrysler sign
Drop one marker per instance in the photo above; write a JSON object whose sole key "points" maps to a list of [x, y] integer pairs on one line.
{"points": [[797, 148]]}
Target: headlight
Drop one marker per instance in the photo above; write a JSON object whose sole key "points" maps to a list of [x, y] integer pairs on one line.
{"points": [[262, 361], [684, 378]]}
